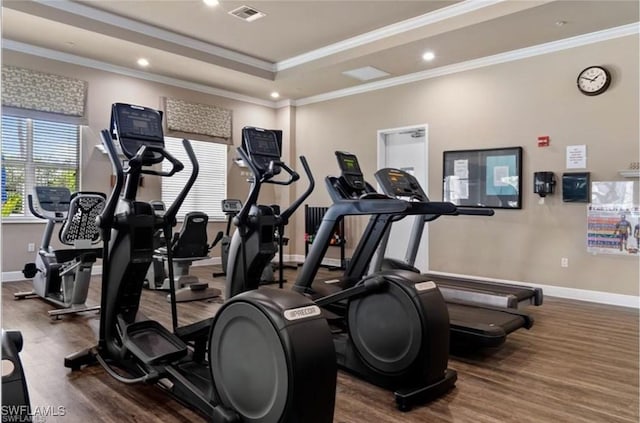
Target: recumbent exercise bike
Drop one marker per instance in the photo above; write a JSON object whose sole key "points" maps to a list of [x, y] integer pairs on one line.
{"points": [[61, 276]]}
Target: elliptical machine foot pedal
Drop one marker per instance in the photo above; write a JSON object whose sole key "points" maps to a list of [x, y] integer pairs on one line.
{"points": [[152, 343], [406, 398]]}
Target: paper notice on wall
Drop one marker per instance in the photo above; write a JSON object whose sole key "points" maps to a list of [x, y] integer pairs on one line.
{"points": [[576, 157], [455, 189], [461, 169], [501, 176], [613, 229]]}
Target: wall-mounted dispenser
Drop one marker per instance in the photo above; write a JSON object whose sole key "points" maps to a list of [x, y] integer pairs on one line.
{"points": [[543, 183]]}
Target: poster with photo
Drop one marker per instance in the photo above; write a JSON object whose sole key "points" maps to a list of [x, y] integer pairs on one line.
{"points": [[613, 229]]}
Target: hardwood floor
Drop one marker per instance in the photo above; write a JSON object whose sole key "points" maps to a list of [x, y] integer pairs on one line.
{"points": [[579, 363]]}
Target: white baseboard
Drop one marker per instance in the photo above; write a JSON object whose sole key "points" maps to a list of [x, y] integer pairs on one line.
{"points": [[548, 290], [12, 276], [563, 292]]}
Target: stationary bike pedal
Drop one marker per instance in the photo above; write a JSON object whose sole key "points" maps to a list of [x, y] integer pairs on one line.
{"points": [[29, 270]]}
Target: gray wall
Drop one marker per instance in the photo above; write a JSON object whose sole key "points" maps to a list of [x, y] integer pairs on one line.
{"points": [[104, 89], [499, 106], [503, 105]]}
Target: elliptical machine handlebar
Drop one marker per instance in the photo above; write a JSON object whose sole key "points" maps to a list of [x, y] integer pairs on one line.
{"points": [[172, 211], [271, 172], [285, 215], [105, 219], [138, 161], [265, 177], [254, 192]]}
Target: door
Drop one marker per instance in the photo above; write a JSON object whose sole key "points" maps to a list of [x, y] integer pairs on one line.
{"points": [[406, 149]]}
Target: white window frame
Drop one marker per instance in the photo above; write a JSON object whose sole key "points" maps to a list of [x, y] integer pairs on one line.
{"points": [[210, 187], [30, 167]]}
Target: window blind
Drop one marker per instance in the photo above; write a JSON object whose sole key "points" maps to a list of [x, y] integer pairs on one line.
{"points": [[210, 187], [36, 153]]}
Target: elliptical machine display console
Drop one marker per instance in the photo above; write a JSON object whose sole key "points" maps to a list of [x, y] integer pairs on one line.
{"points": [[266, 356]]}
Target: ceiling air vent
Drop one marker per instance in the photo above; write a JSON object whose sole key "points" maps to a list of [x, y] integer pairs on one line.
{"points": [[247, 13]]}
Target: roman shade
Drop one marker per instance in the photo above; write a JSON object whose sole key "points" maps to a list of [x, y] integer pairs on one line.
{"points": [[196, 121], [33, 94]]}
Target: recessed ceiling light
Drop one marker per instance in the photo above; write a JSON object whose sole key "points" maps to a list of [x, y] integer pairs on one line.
{"points": [[211, 3], [275, 94], [428, 56], [143, 62]]}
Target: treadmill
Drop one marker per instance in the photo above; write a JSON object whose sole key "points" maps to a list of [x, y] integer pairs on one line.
{"points": [[399, 184], [471, 326]]}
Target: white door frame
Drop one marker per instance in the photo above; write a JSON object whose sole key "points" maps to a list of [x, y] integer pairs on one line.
{"points": [[382, 133]]}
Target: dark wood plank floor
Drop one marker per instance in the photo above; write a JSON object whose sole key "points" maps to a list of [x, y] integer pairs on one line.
{"points": [[579, 363]]}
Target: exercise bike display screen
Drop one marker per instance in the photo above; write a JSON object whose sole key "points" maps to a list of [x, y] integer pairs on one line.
{"points": [[53, 199], [136, 126]]}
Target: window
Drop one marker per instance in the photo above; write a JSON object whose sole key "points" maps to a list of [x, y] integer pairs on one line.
{"points": [[36, 153], [211, 185]]}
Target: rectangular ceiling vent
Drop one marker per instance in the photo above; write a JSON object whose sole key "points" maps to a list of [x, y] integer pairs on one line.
{"points": [[247, 13], [366, 73]]}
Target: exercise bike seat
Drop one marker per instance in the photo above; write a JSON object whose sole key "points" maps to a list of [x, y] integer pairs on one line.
{"points": [[191, 242], [187, 246]]}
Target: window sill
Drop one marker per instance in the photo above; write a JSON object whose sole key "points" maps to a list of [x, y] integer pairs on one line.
{"points": [[22, 219]]}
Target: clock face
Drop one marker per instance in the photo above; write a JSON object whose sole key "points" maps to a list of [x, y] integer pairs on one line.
{"points": [[594, 80]]}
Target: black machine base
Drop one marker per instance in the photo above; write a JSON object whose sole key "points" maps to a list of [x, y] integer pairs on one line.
{"points": [[417, 393], [407, 398]]}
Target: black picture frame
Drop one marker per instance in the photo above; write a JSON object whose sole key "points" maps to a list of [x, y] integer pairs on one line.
{"points": [[576, 187], [485, 178]]}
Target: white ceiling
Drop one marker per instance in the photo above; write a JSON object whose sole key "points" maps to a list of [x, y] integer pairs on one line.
{"points": [[300, 48]]}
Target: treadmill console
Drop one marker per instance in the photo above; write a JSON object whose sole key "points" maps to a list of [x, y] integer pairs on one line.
{"points": [[262, 147], [398, 183], [53, 201], [135, 126], [351, 173], [230, 206]]}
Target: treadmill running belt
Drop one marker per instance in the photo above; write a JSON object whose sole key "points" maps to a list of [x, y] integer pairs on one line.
{"points": [[478, 326]]}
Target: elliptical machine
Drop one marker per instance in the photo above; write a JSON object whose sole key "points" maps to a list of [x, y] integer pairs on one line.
{"points": [[62, 276], [15, 394], [265, 356], [391, 329]]}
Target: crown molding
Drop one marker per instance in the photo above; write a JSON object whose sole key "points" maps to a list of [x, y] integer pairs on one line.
{"points": [[411, 24], [554, 46], [121, 70], [510, 56], [155, 32]]}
